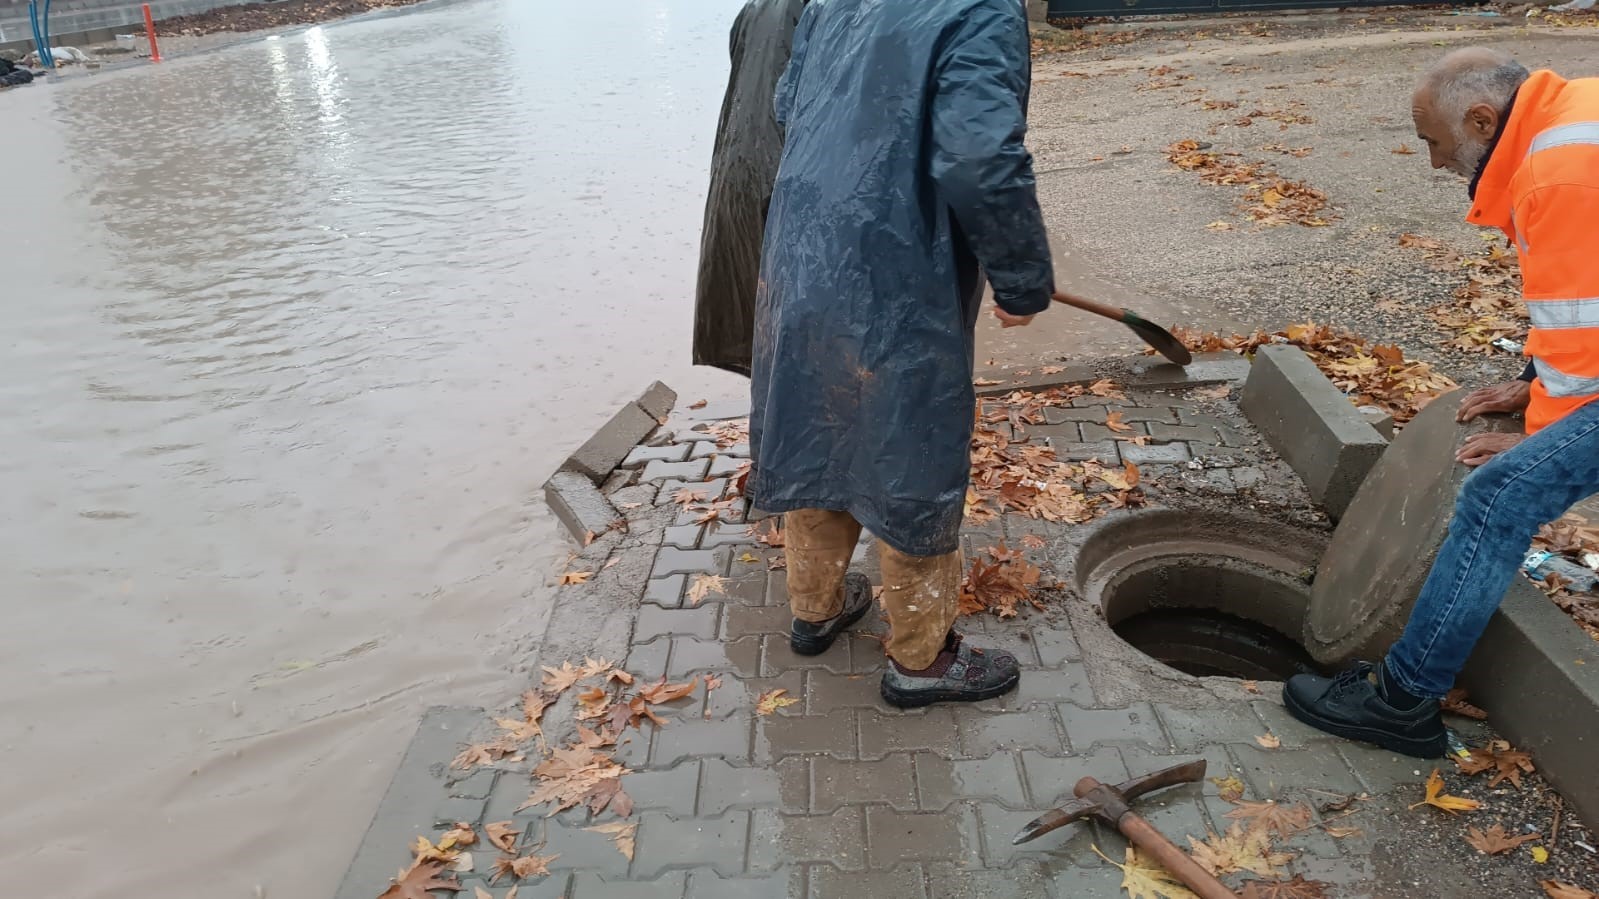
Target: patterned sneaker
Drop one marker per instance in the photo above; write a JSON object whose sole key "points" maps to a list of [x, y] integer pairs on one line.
{"points": [[961, 673], [812, 638]]}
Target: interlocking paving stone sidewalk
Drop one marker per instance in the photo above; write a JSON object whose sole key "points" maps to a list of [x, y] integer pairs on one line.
{"points": [[840, 794]]}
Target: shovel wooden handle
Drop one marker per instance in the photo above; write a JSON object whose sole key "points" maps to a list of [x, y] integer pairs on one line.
{"points": [[1202, 882], [1111, 312]]}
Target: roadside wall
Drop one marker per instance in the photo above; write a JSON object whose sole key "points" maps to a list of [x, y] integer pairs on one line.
{"points": [[90, 21]]}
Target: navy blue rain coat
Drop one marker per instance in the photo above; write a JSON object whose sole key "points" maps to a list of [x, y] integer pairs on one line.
{"points": [[903, 171]]}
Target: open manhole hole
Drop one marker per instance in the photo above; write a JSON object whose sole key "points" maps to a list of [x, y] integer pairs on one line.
{"points": [[1207, 595]]}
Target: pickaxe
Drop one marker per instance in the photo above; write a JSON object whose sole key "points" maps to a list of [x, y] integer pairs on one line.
{"points": [[1110, 804]]}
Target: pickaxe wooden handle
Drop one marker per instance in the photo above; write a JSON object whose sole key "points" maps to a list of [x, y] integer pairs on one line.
{"points": [[1110, 804]]}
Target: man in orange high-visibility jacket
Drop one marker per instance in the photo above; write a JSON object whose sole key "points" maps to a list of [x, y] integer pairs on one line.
{"points": [[1529, 142]]}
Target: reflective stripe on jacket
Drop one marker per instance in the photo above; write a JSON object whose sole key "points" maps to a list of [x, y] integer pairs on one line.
{"points": [[1541, 187]]}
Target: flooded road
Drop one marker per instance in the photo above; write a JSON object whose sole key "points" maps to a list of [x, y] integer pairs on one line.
{"points": [[294, 332]]}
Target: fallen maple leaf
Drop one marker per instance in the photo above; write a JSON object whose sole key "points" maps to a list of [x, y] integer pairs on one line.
{"points": [[1230, 789], [704, 585], [1144, 878], [1298, 888], [1105, 387], [620, 833], [1403, 150], [1113, 420], [1495, 839], [697, 404], [1252, 687], [1497, 756], [619, 676], [986, 382], [593, 667], [1239, 850], [772, 700], [1052, 369], [415, 882], [661, 691], [503, 834], [1456, 702], [1033, 541], [1286, 820], [522, 868], [459, 835], [1437, 798], [557, 680], [1556, 889], [685, 496], [575, 577], [594, 739], [1269, 741], [595, 703]]}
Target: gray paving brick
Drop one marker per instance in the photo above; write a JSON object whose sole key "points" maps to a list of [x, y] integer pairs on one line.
{"points": [[682, 536], [725, 466], [932, 731], [784, 786], [1137, 725], [729, 533], [654, 621], [671, 790], [451, 811], [711, 490], [1057, 415], [1151, 414], [1247, 476], [941, 783], [1007, 637], [1050, 780], [743, 694], [666, 592], [556, 886], [726, 738], [690, 471], [702, 449], [1105, 451], [1379, 770], [1219, 764], [745, 588], [1183, 433], [982, 735], [691, 655], [836, 783], [647, 661], [1087, 883], [998, 825], [778, 656], [1272, 770], [1046, 687], [579, 849], [593, 886], [1155, 453], [903, 882], [1024, 879], [1055, 646], [894, 837], [1063, 432], [1344, 876], [476, 785], [642, 455], [777, 839], [632, 750], [670, 560], [783, 884], [1226, 433], [826, 692], [666, 842], [778, 737], [1093, 433]]}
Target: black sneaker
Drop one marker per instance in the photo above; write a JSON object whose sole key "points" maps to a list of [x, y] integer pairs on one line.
{"points": [[812, 638], [961, 673], [1350, 706]]}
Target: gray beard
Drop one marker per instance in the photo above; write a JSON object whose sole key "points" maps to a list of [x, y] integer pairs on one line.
{"points": [[1468, 156]]}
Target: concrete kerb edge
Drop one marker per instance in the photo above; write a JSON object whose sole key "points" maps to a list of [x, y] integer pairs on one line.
{"points": [[573, 492]]}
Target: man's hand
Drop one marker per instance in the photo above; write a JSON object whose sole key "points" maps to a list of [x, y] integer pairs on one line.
{"points": [[1479, 448], [1511, 396], [1006, 320]]}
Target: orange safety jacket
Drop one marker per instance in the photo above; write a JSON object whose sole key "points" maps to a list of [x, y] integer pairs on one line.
{"points": [[1541, 187]]}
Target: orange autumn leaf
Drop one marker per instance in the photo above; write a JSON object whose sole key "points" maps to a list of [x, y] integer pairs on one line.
{"points": [[1437, 798]]}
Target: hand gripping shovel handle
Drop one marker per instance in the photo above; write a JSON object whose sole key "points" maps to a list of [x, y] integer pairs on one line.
{"points": [[1160, 339]]}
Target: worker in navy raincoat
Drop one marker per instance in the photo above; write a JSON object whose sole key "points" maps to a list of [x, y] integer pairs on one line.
{"points": [[743, 167], [904, 181]]}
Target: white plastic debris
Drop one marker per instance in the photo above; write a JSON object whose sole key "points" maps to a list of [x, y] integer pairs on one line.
{"points": [[1508, 345]]}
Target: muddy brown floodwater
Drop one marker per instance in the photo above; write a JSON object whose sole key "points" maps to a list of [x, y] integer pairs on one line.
{"points": [[293, 332]]}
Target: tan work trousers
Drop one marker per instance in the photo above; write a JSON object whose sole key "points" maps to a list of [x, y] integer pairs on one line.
{"points": [[921, 593]]}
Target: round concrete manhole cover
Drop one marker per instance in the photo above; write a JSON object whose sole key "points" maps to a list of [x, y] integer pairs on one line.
{"points": [[1383, 547]]}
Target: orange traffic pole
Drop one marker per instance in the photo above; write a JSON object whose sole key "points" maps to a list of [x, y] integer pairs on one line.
{"points": [[149, 32]]}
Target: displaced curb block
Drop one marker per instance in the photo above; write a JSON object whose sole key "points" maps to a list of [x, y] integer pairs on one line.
{"points": [[1537, 676], [579, 505], [573, 493], [1315, 428]]}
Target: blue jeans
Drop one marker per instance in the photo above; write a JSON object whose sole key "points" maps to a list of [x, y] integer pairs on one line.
{"points": [[1500, 509]]}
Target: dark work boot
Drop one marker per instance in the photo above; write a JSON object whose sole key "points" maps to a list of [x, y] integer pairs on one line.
{"points": [[812, 638], [960, 673], [1350, 705]]}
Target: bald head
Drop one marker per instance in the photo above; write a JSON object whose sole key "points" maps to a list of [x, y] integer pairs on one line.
{"points": [[1459, 102]]}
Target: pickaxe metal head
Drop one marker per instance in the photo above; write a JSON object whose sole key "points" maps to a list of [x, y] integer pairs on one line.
{"points": [[1108, 803]]}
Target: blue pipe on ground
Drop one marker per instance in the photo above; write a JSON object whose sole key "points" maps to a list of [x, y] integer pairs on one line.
{"points": [[45, 25]]}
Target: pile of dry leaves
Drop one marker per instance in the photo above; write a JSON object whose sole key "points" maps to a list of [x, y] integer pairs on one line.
{"points": [[276, 14], [1488, 306], [1572, 537], [1269, 199], [997, 580], [1373, 375]]}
